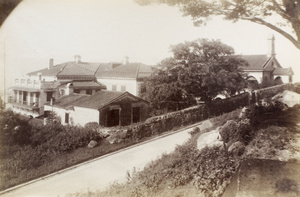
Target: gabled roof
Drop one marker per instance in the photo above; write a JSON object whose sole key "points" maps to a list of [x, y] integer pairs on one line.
{"points": [[96, 101], [130, 70], [255, 62], [68, 101], [100, 99], [104, 98]]}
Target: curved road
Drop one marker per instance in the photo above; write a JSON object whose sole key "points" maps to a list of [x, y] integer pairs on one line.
{"points": [[101, 172]]}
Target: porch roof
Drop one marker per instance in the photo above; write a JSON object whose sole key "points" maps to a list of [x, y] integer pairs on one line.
{"points": [[283, 71], [25, 89]]}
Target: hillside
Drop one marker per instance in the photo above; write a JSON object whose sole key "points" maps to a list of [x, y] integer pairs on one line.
{"points": [[268, 130]]}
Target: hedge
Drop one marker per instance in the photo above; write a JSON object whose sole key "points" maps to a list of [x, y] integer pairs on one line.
{"points": [[170, 121]]}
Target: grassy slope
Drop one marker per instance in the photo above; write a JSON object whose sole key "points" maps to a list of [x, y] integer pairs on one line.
{"points": [[189, 172]]}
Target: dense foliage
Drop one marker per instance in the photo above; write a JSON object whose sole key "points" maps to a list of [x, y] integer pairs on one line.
{"points": [[26, 147], [198, 69], [278, 15], [14, 129]]}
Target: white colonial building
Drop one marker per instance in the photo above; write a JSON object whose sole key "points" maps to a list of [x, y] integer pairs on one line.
{"points": [[29, 94]]}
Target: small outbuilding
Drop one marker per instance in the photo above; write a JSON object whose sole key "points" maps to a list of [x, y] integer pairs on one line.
{"points": [[107, 108]]}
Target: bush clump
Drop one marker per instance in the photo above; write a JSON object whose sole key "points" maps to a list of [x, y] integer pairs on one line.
{"points": [[25, 147]]}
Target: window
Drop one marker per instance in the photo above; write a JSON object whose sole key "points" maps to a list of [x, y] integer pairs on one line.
{"points": [[114, 88], [89, 92], [24, 96], [123, 88], [67, 118], [136, 112], [76, 91], [49, 96]]}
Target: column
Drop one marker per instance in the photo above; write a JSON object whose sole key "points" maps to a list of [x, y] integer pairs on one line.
{"points": [[34, 97], [17, 96], [28, 98], [20, 97]]}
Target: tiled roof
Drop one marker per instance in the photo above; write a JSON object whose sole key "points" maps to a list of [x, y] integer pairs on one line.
{"points": [[69, 68], [67, 102], [256, 62], [96, 101], [130, 70], [81, 69], [100, 70], [87, 84], [49, 72], [104, 67], [283, 71], [100, 99]]}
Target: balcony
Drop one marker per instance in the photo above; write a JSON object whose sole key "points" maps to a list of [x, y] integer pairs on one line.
{"points": [[35, 84], [24, 104]]}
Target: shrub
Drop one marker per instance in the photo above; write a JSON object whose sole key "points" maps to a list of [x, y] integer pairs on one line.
{"points": [[268, 141], [228, 131], [13, 129], [244, 131], [214, 171], [194, 131], [72, 137], [92, 126], [222, 119]]}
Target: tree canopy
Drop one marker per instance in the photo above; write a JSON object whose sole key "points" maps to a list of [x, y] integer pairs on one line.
{"points": [[262, 12], [198, 69]]}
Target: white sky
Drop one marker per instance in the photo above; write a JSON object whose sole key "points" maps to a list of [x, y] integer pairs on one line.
{"points": [[108, 30]]}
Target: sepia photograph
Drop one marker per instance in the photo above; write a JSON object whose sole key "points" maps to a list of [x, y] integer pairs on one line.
{"points": [[149, 98]]}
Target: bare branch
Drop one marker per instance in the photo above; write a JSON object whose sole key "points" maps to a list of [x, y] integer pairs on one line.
{"points": [[273, 27]]}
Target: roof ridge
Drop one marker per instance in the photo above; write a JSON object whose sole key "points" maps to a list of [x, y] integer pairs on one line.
{"points": [[268, 60], [62, 69], [137, 71], [99, 65]]}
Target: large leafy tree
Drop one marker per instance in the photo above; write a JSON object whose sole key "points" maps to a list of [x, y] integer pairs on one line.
{"points": [[274, 14], [198, 69]]}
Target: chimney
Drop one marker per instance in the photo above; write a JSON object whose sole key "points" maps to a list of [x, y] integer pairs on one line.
{"points": [[77, 58], [271, 47], [126, 60], [51, 61]]}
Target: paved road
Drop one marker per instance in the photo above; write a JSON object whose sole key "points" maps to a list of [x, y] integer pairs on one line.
{"points": [[102, 171]]}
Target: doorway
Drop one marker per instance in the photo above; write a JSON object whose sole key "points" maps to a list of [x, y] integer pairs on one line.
{"points": [[113, 117]]}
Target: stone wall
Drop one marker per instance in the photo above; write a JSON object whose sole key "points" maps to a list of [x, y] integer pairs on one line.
{"points": [[272, 91], [171, 121]]}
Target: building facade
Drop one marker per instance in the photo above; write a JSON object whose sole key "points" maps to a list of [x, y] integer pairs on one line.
{"points": [[29, 94], [264, 69], [126, 77], [107, 108]]}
